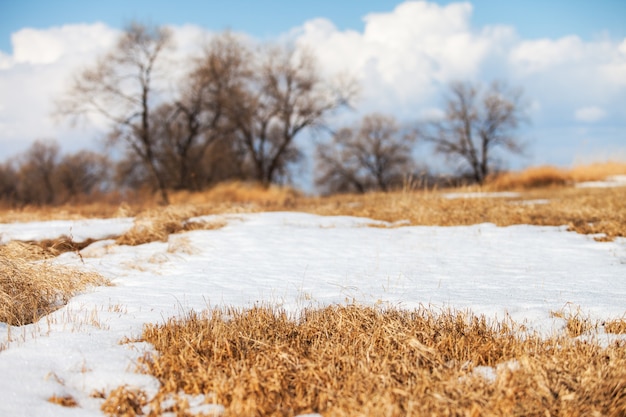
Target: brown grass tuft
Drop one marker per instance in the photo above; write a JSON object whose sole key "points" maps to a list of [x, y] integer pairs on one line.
{"points": [[65, 401], [550, 176], [354, 360], [62, 244], [615, 326], [30, 290], [124, 402], [23, 251], [597, 171], [157, 224], [535, 177], [588, 211], [250, 195], [575, 324]]}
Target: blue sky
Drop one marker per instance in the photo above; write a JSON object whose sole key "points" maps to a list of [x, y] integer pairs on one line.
{"points": [[568, 56], [268, 18]]}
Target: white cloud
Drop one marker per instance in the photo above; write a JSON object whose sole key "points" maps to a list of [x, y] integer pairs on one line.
{"points": [[539, 55], [589, 114], [5, 61], [404, 55], [40, 67], [36, 46]]}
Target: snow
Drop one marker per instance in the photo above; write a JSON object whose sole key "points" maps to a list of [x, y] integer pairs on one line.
{"points": [[78, 230], [612, 181], [291, 260]]}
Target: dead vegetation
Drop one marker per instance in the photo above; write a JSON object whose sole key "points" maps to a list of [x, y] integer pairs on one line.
{"points": [[550, 176], [158, 224], [31, 288], [587, 211], [354, 360], [64, 401], [615, 326]]}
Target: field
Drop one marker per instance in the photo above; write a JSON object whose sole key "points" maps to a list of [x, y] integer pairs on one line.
{"points": [[505, 300]]}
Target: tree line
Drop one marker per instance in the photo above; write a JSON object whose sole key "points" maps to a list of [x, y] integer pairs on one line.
{"points": [[235, 113]]}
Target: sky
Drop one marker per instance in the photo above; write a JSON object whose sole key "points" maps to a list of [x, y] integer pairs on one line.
{"points": [[292, 261], [569, 57]]}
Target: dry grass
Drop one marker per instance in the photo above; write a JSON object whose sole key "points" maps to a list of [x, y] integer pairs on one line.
{"points": [[124, 402], [589, 211], [240, 196], [575, 324], [355, 361], [549, 176], [62, 244], [65, 401], [157, 224], [30, 289], [536, 177], [615, 326], [597, 171]]}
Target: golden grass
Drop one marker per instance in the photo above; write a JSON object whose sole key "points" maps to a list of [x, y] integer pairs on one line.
{"points": [[65, 401], [355, 361], [62, 244], [30, 289], [536, 177], [588, 211], [575, 324], [597, 171], [615, 326], [550, 176], [239, 196], [158, 224], [124, 402]]}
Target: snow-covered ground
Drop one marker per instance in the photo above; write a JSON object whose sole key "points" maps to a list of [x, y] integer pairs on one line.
{"points": [[292, 260]]}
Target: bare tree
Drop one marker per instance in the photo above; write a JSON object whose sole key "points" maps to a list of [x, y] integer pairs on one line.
{"points": [[8, 183], [190, 125], [376, 154], [121, 87], [284, 96], [37, 173], [478, 122]]}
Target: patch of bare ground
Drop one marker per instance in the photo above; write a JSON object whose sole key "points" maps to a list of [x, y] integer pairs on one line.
{"points": [[354, 360]]}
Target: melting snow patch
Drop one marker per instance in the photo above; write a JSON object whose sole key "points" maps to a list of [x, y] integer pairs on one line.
{"points": [[613, 181]]}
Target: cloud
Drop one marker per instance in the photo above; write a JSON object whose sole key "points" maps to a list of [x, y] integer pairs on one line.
{"points": [[406, 54], [5, 61], [538, 55], [36, 46], [589, 114], [40, 67]]}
